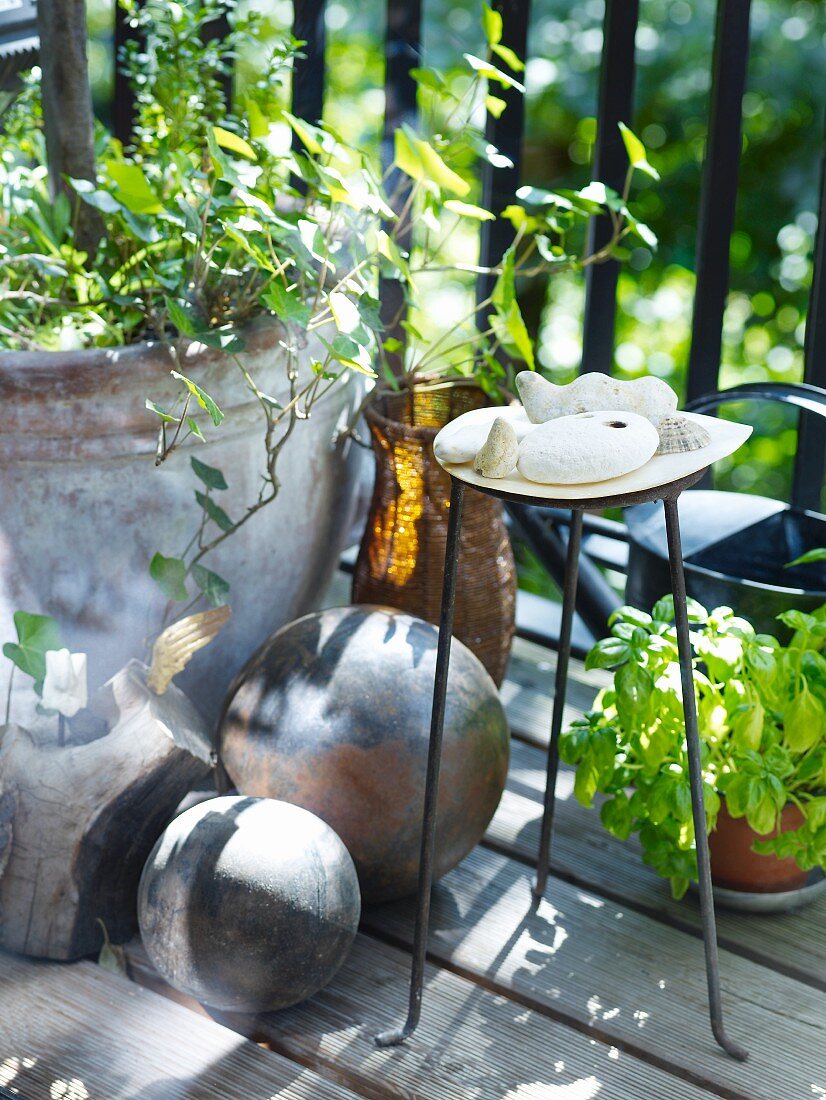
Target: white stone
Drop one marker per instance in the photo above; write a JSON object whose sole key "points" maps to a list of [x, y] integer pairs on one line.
{"points": [[459, 446], [498, 454], [587, 447], [462, 445], [649, 397]]}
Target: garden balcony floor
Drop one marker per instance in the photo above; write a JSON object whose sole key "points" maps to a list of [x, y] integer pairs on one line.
{"points": [[601, 993]]}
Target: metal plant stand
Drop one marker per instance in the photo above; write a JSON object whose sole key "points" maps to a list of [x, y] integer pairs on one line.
{"points": [[668, 493]]}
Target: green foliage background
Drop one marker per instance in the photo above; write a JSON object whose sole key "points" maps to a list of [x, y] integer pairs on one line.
{"points": [[772, 245]]}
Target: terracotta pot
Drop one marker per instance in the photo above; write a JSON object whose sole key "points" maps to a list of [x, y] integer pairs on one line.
{"points": [[83, 507], [401, 558], [736, 867]]}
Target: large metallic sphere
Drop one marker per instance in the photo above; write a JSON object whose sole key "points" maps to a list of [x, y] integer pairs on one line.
{"points": [[333, 714], [248, 904]]}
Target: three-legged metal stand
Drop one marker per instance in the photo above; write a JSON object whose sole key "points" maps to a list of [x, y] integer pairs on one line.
{"points": [[668, 494]]}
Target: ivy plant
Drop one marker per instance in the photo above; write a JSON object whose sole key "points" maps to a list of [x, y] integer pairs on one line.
{"points": [[209, 220], [762, 718]]}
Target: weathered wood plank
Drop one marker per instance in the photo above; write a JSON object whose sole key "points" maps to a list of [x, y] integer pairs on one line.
{"points": [[585, 853], [472, 1043], [527, 692], [76, 1030], [622, 976]]}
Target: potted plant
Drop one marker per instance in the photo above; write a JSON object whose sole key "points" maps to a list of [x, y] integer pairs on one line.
{"points": [[196, 302], [762, 718], [430, 372]]}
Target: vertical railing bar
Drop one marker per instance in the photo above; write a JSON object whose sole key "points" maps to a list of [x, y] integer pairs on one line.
{"points": [[506, 133], [123, 106], [219, 28], [718, 194], [307, 99], [810, 459], [615, 105], [402, 52]]}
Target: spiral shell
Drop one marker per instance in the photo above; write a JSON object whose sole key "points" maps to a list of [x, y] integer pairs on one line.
{"points": [[678, 434]]}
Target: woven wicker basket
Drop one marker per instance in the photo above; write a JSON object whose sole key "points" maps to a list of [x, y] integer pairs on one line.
{"points": [[401, 559]]}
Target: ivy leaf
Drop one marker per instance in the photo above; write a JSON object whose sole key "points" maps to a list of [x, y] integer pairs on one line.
{"points": [[495, 106], [513, 334], [288, 305], [427, 78], [195, 428], [419, 160], [35, 635], [491, 25], [485, 68], [217, 514], [257, 122], [201, 396], [504, 291], [345, 312], [212, 477], [468, 210], [635, 149], [311, 136], [167, 418], [225, 338], [509, 56], [214, 588], [170, 576], [180, 316], [233, 143], [132, 188]]}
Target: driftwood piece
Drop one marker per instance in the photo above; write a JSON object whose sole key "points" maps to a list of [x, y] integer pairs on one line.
{"points": [[77, 822], [68, 116]]}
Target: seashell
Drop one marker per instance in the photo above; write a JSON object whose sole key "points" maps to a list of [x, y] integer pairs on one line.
{"points": [[649, 397], [498, 455], [679, 434], [587, 447]]}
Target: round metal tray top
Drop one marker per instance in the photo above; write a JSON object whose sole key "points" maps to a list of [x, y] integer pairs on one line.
{"points": [[660, 472]]}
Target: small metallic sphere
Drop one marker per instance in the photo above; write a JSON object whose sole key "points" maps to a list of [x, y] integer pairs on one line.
{"points": [[333, 714], [247, 904]]}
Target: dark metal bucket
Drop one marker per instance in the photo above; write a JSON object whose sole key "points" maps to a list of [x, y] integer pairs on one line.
{"points": [[736, 546]]}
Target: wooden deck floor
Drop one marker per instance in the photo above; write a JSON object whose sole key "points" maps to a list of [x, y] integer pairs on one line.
{"points": [[599, 994]]}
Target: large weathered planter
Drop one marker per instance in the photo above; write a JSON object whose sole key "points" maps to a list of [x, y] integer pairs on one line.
{"points": [[83, 508]]}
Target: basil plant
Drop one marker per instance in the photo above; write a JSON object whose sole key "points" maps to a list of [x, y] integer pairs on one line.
{"points": [[762, 718]]}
